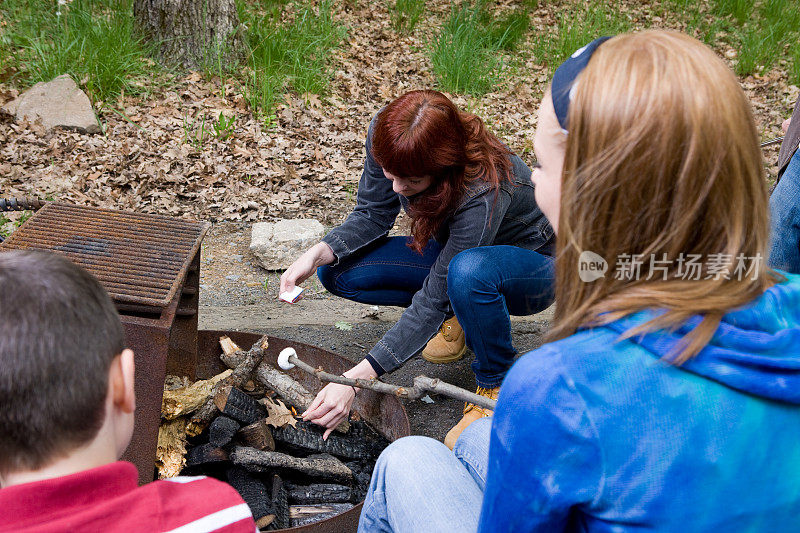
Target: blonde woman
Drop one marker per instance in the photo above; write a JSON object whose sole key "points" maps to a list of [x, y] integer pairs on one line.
{"points": [[668, 397]]}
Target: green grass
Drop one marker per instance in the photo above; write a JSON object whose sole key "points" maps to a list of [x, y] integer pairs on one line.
{"points": [[738, 9], [764, 38], [406, 14], [466, 53], [4, 221], [296, 54], [461, 54], [578, 25], [290, 48], [794, 65], [505, 32], [7, 226], [93, 41]]}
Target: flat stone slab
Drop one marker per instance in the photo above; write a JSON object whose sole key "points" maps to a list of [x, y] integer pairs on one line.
{"points": [[277, 245], [57, 104]]}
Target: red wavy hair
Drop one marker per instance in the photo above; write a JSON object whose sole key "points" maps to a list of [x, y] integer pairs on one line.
{"points": [[422, 133]]}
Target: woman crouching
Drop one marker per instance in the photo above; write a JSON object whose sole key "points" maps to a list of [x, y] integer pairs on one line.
{"points": [[668, 397], [464, 191]]}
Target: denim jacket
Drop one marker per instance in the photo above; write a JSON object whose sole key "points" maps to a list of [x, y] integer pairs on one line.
{"points": [[791, 141], [482, 218]]}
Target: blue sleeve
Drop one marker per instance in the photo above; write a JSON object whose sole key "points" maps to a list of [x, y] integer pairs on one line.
{"points": [[544, 456]]}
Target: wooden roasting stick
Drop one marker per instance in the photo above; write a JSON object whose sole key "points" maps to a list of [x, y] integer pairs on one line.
{"points": [[240, 375], [290, 390], [422, 384]]}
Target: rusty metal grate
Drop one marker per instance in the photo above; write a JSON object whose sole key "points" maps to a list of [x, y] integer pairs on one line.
{"points": [[140, 259]]}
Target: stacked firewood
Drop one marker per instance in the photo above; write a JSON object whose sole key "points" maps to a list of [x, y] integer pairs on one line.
{"points": [[241, 426]]}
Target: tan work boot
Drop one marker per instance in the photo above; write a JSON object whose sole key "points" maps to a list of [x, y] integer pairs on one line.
{"points": [[448, 345], [471, 413]]}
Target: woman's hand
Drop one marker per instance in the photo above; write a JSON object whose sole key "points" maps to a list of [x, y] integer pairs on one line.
{"points": [[305, 266], [332, 404]]}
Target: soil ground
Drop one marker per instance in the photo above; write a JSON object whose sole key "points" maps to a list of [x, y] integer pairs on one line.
{"points": [[233, 297]]}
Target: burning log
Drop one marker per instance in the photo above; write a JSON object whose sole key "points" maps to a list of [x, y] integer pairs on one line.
{"points": [[240, 375], [319, 493], [258, 436], [171, 450], [308, 437], [308, 514], [290, 390], [222, 430], [185, 400], [319, 466], [238, 405]]}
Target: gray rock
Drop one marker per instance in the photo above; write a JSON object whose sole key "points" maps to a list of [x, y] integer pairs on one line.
{"points": [[58, 104], [277, 245]]}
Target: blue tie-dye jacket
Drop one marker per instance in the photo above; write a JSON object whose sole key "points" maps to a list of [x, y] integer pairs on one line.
{"points": [[595, 434]]}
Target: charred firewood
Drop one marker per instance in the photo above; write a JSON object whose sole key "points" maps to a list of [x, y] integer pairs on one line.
{"points": [[240, 375], [319, 466], [302, 515], [205, 454], [290, 390], [257, 435], [222, 430], [308, 437], [318, 493], [253, 492], [362, 474], [238, 405], [279, 504]]}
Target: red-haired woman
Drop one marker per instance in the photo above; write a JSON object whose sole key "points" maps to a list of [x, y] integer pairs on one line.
{"points": [[465, 194]]}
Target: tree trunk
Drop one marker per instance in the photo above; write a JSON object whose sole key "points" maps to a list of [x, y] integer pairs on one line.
{"points": [[191, 33]]}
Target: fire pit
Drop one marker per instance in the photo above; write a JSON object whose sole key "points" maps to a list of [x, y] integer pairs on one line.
{"points": [[150, 265], [385, 414]]}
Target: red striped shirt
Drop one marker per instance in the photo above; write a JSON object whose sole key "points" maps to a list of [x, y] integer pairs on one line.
{"points": [[108, 499]]}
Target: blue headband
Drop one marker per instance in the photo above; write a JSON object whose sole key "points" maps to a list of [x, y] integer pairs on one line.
{"points": [[564, 79]]}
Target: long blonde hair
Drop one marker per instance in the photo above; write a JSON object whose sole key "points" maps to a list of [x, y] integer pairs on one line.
{"points": [[662, 159]]}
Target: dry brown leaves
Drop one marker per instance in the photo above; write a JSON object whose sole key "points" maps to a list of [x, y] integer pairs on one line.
{"points": [[309, 162], [278, 415]]}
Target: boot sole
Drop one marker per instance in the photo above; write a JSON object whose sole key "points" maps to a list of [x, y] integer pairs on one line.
{"points": [[447, 359]]}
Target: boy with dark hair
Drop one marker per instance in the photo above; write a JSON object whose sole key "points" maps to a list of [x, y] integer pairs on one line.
{"points": [[66, 415]]}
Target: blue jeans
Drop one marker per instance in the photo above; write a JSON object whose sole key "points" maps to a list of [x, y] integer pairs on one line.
{"points": [[784, 207], [485, 286], [420, 485], [488, 284], [386, 273]]}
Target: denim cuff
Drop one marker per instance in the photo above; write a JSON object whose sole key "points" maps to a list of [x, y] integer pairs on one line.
{"points": [[488, 384], [375, 366], [382, 359], [338, 247]]}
